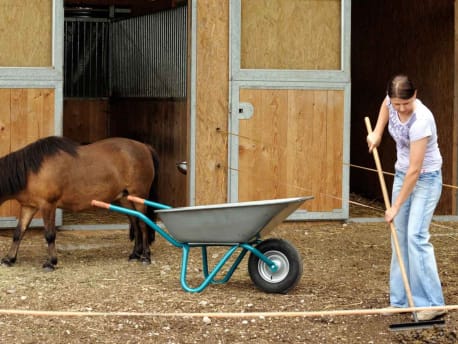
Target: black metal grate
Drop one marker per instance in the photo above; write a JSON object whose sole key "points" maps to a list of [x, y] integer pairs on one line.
{"points": [[135, 57], [86, 65]]}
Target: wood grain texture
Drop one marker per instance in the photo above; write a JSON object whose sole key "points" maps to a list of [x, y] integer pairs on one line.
{"points": [[27, 115], [292, 146], [294, 34], [26, 28], [212, 98]]}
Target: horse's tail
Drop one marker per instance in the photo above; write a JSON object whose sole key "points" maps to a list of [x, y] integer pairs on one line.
{"points": [[153, 193], [153, 196]]}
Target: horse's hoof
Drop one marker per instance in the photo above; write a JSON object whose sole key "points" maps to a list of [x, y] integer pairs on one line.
{"points": [[145, 261], [48, 267], [134, 257], [7, 262]]}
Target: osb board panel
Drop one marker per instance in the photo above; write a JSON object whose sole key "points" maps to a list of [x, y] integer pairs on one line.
{"points": [[26, 28], [429, 61], [27, 114], [212, 104], [85, 120], [292, 146], [294, 34], [163, 124]]}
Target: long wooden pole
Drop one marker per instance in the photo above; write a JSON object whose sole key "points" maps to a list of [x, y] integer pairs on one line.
{"points": [[237, 315]]}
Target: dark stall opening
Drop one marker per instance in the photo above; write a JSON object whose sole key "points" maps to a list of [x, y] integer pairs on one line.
{"points": [[125, 74], [387, 38]]}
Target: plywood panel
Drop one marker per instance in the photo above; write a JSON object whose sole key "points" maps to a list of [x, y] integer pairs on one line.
{"points": [[292, 146], [86, 120], [26, 28], [212, 93], [163, 124], [32, 115], [5, 119], [294, 34]]}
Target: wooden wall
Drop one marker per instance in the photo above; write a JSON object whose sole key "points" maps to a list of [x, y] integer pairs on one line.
{"points": [[294, 34], [280, 125], [413, 37], [163, 124], [212, 94], [25, 116], [26, 28], [293, 147], [86, 120], [159, 122]]}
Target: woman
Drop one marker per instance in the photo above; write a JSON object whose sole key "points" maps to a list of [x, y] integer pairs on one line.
{"points": [[416, 191]]}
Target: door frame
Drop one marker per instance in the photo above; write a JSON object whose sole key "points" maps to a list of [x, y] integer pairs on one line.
{"points": [[288, 79]]}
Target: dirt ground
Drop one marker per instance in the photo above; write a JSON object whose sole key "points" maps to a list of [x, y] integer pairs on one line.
{"points": [[345, 268]]}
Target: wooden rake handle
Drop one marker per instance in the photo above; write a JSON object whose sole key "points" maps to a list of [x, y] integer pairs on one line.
{"points": [[393, 229]]}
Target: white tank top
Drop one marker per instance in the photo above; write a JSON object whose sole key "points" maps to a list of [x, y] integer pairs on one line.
{"points": [[420, 125]]}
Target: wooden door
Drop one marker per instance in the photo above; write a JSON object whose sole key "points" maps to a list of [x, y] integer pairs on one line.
{"points": [[290, 88]]}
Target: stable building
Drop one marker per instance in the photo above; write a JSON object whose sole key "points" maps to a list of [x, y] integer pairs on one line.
{"points": [[262, 99]]}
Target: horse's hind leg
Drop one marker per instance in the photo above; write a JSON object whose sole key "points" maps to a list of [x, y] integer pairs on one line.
{"points": [[135, 237], [25, 217], [49, 216], [141, 250], [146, 242], [145, 235]]}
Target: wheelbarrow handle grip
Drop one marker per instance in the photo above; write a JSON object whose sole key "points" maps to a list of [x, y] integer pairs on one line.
{"points": [[136, 199], [100, 204]]}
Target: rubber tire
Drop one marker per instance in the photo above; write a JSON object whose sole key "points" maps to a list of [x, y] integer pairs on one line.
{"points": [[289, 273]]}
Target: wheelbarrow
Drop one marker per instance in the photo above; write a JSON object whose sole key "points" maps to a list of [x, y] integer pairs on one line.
{"points": [[274, 265]]}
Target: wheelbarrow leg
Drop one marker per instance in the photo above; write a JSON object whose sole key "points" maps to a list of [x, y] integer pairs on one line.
{"points": [[229, 274]]}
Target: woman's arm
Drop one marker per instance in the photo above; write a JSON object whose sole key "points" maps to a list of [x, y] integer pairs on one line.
{"points": [[417, 155], [374, 138]]}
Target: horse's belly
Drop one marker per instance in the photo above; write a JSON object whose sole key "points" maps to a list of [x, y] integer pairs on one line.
{"points": [[79, 202]]}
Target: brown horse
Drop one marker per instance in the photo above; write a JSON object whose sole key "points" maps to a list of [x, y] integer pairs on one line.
{"points": [[55, 172]]}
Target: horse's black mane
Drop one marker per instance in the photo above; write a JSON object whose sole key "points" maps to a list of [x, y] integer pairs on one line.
{"points": [[15, 167]]}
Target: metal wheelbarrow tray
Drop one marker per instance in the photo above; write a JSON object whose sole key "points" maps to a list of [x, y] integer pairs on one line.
{"points": [[274, 265]]}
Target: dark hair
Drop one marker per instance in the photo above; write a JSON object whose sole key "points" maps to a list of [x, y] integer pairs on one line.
{"points": [[400, 86]]}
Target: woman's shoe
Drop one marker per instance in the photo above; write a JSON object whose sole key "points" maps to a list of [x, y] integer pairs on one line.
{"points": [[430, 315]]}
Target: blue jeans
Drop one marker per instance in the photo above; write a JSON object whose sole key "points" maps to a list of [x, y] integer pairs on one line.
{"points": [[412, 226]]}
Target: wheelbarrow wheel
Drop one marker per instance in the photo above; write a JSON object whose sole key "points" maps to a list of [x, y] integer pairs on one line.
{"points": [[288, 261]]}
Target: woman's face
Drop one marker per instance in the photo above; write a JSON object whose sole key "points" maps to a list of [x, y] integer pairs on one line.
{"points": [[404, 107]]}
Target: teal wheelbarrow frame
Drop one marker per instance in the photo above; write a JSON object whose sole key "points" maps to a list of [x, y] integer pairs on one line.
{"points": [[274, 265]]}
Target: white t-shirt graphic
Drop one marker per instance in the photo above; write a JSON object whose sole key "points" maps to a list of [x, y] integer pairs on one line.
{"points": [[420, 125]]}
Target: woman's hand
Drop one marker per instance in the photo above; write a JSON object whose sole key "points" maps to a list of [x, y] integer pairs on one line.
{"points": [[373, 141], [390, 213]]}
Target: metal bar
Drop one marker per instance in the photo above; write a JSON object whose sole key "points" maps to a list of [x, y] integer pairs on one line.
{"points": [[210, 277]]}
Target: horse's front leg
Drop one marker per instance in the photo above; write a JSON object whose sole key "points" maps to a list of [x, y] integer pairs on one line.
{"points": [[25, 217], [49, 217], [146, 242]]}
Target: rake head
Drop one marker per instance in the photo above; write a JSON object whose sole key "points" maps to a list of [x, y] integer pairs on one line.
{"points": [[417, 325]]}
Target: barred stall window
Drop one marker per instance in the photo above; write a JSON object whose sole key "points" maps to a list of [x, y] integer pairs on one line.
{"points": [[86, 58], [130, 57]]}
